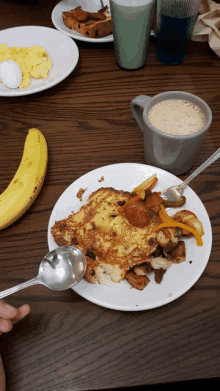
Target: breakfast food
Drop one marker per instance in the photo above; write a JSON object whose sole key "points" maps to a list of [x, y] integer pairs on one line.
{"points": [[89, 24], [119, 233], [34, 61], [103, 234], [10, 74], [28, 180]]}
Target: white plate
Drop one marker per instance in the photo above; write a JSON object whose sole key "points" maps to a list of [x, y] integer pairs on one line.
{"points": [[87, 5], [178, 279], [62, 50]]}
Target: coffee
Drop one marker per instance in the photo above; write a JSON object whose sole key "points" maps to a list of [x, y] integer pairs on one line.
{"points": [[177, 117]]}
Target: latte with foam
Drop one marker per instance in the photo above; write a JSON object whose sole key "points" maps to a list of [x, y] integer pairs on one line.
{"points": [[177, 117]]}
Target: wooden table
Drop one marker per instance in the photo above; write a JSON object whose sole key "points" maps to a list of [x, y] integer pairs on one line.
{"points": [[68, 343]]}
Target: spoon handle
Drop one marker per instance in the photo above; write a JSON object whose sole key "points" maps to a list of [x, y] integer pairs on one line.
{"points": [[17, 288], [207, 163]]}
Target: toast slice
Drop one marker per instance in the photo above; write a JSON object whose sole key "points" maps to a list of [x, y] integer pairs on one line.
{"points": [[90, 24], [104, 235]]}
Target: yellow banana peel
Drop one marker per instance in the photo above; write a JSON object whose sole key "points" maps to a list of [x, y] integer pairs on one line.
{"points": [[28, 180]]}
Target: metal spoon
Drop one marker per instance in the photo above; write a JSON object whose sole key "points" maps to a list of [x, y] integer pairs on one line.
{"points": [[174, 193], [59, 270]]}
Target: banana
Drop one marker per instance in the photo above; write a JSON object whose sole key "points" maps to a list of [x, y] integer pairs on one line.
{"points": [[28, 180]]}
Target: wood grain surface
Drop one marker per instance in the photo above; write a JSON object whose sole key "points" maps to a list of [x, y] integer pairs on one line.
{"points": [[68, 343]]}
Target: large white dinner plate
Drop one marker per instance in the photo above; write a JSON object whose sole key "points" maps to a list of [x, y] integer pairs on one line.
{"points": [[178, 279], [87, 5], [62, 50]]}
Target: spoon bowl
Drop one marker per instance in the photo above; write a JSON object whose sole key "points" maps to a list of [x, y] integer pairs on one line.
{"points": [[62, 268], [59, 270]]}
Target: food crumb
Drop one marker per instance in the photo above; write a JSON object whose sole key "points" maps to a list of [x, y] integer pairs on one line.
{"points": [[101, 179], [80, 193], [190, 262], [170, 294]]}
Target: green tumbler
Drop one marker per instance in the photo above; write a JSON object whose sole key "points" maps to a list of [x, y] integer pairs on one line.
{"points": [[131, 26]]}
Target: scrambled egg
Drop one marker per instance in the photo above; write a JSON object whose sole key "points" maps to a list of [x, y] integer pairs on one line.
{"points": [[34, 61]]}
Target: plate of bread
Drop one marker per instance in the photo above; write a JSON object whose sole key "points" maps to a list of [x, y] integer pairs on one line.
{"points": [[140, 254], [84, 20]]}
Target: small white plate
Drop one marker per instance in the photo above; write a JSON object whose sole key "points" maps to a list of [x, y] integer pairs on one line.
{"points": [[62, 50], [87, 5], [178, 279]]}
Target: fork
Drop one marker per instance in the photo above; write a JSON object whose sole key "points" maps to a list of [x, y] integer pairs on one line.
{"points": [[102, 5], [174, 193]]}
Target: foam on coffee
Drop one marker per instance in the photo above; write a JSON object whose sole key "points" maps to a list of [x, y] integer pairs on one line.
{"points": [[177, 117]]}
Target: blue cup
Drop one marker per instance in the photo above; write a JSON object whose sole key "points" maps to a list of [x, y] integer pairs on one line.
{"points": [[175, 23]]}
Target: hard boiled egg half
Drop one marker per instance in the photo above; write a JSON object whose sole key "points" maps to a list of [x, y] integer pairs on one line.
{"points": [[10, 74]]}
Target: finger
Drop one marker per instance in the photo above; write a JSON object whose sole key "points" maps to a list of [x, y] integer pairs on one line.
{"points": [[5, 325], [7, 311], [21, 313], [2, 376]]}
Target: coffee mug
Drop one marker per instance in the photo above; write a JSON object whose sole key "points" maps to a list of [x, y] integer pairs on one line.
{"points": [[175, 153]]}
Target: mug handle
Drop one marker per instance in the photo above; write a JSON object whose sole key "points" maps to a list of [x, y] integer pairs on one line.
{"points": [[137, 106]]}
